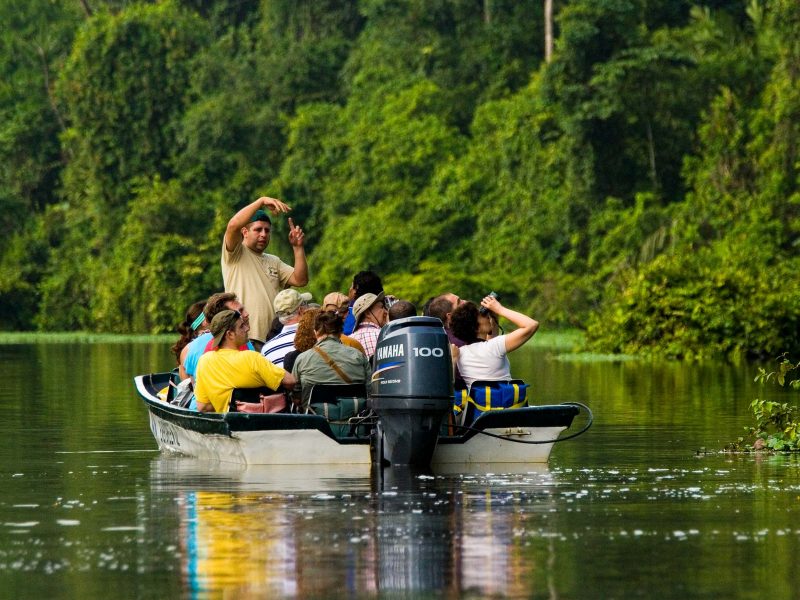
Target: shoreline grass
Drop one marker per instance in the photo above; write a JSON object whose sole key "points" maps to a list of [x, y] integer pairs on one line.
{"points": [[565, 339], [568, 344], [568, 339], [82, 337]]}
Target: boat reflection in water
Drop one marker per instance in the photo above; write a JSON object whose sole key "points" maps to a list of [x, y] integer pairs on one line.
{"points": [[263, 531]]}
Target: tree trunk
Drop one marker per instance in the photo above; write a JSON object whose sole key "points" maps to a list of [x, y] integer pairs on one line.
{"points": [[548, 30], [651, 152], [487, 11], [86, 8], [48, 88]]}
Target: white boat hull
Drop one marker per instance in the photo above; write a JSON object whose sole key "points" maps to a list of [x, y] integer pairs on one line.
{"points": [[281, 447], [312, 447], [283, 439]]}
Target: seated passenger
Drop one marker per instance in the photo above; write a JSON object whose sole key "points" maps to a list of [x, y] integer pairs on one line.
{"points": [[487, 360], [228, 368], [202, 343], [289, 305], [304, 338], [370, 314], [338, 303], [364, 282], [329, 361], [488, 327], [402, 309], [442, 307], [274, 329], [193, 324]]}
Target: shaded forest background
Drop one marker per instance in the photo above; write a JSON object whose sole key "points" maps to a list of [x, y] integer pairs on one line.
{"points": [[642, 184]]}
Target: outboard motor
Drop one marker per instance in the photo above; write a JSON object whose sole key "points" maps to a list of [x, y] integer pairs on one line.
{"points": [[411, 389]]}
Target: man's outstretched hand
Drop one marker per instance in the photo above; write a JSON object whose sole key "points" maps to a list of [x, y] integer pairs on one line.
{"points": [[296, 235], [274, 205]]}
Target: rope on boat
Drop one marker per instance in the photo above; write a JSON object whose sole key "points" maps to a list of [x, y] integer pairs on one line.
{"points": [[518, 441]]}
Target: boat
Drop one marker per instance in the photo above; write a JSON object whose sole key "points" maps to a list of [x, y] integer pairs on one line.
{"points": [[307, 439], [410, 394]]}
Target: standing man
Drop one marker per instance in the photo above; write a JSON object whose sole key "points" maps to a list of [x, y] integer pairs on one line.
{"points": [[255, 276]]}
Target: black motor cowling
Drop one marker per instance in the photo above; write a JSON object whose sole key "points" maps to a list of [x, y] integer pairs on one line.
{"points": [[411, 388]]}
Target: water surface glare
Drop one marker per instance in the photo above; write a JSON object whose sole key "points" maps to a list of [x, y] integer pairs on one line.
{"points": [[642, 505]]}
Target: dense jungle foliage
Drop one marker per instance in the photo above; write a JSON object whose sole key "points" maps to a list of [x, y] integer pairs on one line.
{"points": [[642, 184]]}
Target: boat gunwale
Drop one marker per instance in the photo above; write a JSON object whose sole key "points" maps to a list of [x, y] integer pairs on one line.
{"points": [[233, 422], [556, 415]]}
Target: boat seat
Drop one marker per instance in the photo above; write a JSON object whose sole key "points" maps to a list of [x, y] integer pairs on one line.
{"points": [[174, 380], [338, 402]]}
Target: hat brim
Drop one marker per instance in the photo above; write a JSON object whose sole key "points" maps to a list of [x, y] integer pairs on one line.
{"points": [[305, 298], [217, 340], [378, 298]]}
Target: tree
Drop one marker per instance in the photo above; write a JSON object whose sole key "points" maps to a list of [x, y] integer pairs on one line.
{"points": [[34, 41], [124, 88], [725, 285]]}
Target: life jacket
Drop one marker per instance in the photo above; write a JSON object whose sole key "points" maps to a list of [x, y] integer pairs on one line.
{"points": [[484, 396]]}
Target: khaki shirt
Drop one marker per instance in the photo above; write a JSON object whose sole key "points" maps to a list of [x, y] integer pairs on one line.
{"points": [[256, 279]]}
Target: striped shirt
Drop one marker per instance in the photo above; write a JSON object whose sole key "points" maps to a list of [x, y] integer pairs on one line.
{"points": [[278, 347]]}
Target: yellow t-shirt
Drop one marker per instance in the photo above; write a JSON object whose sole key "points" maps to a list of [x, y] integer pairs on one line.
{"points": [[219, 372], [256, 279]]}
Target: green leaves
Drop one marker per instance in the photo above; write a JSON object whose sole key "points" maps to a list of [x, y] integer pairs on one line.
{"points": [[643, 183], [777, 424], [125, 87]]}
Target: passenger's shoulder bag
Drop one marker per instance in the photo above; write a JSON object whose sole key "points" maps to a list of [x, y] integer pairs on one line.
{"points": [[332, 364], [272, 403]]}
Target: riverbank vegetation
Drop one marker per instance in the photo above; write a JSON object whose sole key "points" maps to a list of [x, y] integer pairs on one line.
{"points": [[10, 338], [776, 424], [566, 340], [641, 184]]}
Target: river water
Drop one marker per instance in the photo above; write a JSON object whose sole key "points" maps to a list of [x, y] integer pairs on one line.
{"points": [[641, 506]]}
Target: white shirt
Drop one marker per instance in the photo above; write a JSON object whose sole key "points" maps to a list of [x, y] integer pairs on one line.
{"points": [[484, 361], [278, 347]]}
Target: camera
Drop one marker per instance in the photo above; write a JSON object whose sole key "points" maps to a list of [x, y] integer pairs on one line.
{"points": [[485, 311]]}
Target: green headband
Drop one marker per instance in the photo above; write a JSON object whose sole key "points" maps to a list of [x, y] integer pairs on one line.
{"points": [[198, 321]]}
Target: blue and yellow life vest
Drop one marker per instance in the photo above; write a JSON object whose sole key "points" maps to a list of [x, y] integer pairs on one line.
{"points": [[490, 395]]}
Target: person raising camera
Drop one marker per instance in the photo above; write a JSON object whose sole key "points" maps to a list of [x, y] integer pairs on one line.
{"points": [[487, 360]]}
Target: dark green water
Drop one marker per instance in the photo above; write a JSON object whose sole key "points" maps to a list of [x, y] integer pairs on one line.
{"points": [[88, 509]]}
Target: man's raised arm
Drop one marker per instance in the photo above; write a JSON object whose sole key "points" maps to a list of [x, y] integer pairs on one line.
{"points": [[233, 232], [299, 277]]}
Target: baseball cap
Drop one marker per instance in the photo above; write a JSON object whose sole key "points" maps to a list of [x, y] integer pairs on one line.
{"points": [[289, 300]]}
